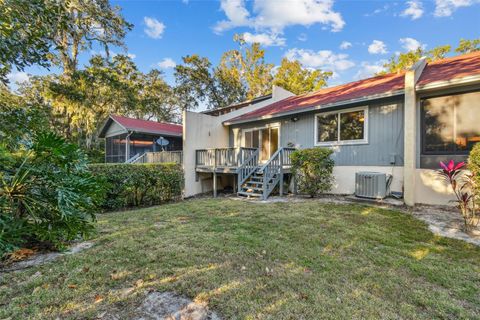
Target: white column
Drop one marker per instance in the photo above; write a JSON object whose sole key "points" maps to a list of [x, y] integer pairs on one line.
{"points": [[410, 134]]}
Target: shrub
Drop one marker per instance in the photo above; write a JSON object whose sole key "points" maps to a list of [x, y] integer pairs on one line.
{"points": [[465, 190], [130, 185], [313, 170], [46, 193], [474, 163]]}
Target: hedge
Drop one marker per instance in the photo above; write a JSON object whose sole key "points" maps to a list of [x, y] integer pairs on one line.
{"points": [[132, 185]]}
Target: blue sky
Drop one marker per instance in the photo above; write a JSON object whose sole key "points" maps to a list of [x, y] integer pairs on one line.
{"points": [[311, 31]]}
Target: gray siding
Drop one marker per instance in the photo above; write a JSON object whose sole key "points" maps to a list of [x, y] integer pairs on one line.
{"points": [[385, 136], [114, 129]]}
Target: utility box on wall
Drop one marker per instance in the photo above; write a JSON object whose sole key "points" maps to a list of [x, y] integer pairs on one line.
{"points": [[372, 185]]}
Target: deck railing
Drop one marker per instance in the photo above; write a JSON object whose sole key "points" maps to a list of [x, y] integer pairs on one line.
{"points": [[247, 168], [222, 157], [273, 170], [160, 157]]}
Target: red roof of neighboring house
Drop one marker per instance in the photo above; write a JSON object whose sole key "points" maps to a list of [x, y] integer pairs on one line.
{"points": [[371, 88], [147, 126], [451, 68], [380, 85]]}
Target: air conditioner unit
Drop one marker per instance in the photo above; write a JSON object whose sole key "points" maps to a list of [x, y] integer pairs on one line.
{"points": [[371, 185]]}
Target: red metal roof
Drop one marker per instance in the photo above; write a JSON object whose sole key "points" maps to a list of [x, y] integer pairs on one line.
{"points": [[451, 68], [379, 85], [441, 70], [148, 126]]}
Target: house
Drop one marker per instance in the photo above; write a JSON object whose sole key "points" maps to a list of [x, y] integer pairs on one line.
{"points": [[402, 124], [136, 140]]}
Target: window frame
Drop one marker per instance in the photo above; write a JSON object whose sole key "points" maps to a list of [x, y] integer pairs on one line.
{"points": [[423, 137], [341, 142]]}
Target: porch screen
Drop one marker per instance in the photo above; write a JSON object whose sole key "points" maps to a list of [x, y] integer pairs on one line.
{"points": [[115, 148], [450, 124]]}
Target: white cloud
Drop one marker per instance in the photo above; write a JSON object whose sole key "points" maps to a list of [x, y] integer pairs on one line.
{"points": [[345, 45], [17, 77], [377, 47], [414, 10], [445, 8], [166, 63], [154, 27], [368, 69], [324, 59], [131, 55], [302, 37], [265, 39], [378, 10], [276, 15], [410, 44]]}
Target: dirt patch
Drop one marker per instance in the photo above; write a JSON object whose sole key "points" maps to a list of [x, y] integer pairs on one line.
{"points": [[42, 258], [168, 306]]}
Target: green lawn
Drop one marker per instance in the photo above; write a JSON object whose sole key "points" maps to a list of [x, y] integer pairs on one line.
{"points": [[304, 260]]}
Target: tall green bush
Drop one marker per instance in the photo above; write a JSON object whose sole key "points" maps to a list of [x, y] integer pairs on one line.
{"points": [[130, 185], [313, 170], [474, 163], [47, 193]]}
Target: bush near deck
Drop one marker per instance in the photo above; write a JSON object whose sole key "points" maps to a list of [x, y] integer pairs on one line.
{"points": [[131, 185], [313, 168]]}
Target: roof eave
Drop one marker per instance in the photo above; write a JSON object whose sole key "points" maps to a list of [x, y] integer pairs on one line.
{"points": [[165, 133], [448, 83], [313, 108]]}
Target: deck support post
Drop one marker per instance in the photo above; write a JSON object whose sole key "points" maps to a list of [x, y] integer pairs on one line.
{"points": [[214, 184], [281, 174], [235, 182], [295, 185]]}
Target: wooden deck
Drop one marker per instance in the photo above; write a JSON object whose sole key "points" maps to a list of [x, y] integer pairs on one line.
{"points": [[245, 165]]}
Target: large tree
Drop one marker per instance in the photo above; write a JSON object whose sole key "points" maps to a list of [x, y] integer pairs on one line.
{"points": [[404, 61], [294, 77], [241, 74], [27, 30], [467, 46], [88, 22]]}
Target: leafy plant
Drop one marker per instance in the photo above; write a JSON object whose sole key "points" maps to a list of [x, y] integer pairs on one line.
{"points": [[465, 190], [131, 185], [46, 193], [313, 170]]}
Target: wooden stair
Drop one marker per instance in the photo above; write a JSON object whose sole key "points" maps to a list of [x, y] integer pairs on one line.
{"points": [[254, 186]]}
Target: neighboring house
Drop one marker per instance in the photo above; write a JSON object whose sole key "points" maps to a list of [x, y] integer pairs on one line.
{"points": [[132, 140], [401, 124]]}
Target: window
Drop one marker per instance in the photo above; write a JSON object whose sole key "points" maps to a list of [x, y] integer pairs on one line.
{"points": [[450, 123], [342, 127]]}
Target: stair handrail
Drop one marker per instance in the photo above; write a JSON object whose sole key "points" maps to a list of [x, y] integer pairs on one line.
{"points": [[247, 168], [271, 168], [135, 158]]}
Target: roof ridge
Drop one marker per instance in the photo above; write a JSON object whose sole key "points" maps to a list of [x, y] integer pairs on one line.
{"points": [[162, 122]]}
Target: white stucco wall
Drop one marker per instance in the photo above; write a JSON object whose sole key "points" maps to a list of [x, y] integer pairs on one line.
{"points": [[345, 177], [201, 131], [430, 188]]}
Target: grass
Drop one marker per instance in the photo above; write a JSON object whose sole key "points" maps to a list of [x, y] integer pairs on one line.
{"points": [[305, 260]]}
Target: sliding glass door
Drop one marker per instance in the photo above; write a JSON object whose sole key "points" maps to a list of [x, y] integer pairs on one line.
{"points": [[267, 139]]}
